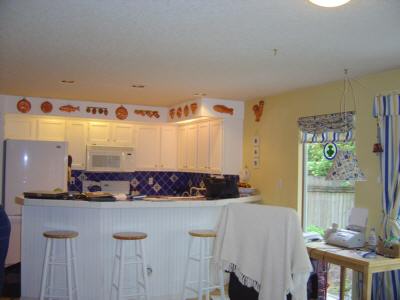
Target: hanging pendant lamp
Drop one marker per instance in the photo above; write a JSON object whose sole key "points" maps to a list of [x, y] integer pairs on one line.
{"points": [[345, 164]]}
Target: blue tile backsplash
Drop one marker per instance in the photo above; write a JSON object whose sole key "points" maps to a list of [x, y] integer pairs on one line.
{"points": [[164, 183]]}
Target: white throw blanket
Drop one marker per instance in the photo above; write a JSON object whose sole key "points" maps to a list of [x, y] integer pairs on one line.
{"points": [[264, 246]]}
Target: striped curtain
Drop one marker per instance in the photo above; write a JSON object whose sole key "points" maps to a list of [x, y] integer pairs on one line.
{"points": [[337, 127], [386, 109]]}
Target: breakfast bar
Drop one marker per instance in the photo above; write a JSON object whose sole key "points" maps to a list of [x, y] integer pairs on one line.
{"points": [[166, 223]]}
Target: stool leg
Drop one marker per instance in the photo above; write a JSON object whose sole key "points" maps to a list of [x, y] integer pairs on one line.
{"points": [[51, 267], [186, 276], [221, 282], [201, 264], [207, 266], [69, 267], [114, 271], [144, 270], [45, 269], [121, 271], [75, 280]]}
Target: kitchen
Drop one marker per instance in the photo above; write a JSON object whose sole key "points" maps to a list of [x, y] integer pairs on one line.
{"points": [[250, 70], [162, 157]]}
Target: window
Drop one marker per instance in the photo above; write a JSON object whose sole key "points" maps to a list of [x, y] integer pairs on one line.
{"points": [[325, 202]]}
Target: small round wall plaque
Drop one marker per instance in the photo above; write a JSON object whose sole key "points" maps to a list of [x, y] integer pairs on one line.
{"points": [[330, 150]]}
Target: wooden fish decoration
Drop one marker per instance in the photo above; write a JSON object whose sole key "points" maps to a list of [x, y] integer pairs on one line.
{"points": [[258, 110], [69, 108], [223, 109]]}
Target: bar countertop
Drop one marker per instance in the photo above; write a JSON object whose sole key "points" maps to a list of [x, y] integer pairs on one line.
{"points": [[136, 203]]}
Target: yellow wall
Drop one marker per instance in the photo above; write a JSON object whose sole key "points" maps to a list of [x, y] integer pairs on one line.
{"points": [[277, 177]]}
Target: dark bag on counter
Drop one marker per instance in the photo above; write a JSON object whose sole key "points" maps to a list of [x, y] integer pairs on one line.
{"points": [[221, 188]]}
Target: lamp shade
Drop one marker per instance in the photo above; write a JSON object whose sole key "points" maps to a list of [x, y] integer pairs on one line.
{"points": [[345, 167], [329, 3]]}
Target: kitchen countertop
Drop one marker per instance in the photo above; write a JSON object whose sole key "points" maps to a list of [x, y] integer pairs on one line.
{"points": [[136, 203]]}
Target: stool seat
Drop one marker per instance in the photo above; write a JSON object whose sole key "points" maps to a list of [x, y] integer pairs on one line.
{"points": [[60, 234], [129, 236], [204, 233]]}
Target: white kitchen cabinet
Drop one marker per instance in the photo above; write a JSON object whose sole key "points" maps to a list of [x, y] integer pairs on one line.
{"points": [[182, 148], [76, 135], [49, 129], [20, 127], [187, 147], [156, 147], [110, 133], [168, 148], [216, 146], [99, 133], [147, 147], [191, 149], [203, 146], [123, 134]]}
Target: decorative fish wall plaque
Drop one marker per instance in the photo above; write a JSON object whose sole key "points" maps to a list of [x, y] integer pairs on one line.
{"points": [[223, 109], [69, 108]]}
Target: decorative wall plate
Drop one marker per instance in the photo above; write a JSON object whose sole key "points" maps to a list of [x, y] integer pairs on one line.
{"points": [[186, 111], [23, 106], [258, 110], [121, 113], [179, 112], [46, 107], [172, 113], [193, 107]]}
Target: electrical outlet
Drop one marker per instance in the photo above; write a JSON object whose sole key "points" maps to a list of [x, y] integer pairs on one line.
{"points": [[151, 181]]}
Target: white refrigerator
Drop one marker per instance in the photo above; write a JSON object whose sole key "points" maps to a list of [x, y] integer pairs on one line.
{"points": [[29, 166]]}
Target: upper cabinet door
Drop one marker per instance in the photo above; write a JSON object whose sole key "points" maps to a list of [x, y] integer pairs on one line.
{"points": [[51, 129], [216, 144], [123, 134], [99, 133], [182, 148], [191, 147], [168, 149], [203, 147], [147, 147], [76, 136], [20, 127]]}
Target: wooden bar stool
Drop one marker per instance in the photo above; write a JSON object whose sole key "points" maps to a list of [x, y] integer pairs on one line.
{"points": [[47, 289], [120, 260], [203, 259]]}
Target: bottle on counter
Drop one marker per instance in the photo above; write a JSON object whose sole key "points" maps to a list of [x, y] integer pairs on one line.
{"points": [[372, 240]]}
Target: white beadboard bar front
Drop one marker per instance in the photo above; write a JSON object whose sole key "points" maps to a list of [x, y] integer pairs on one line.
{"points": [[166, 223]]}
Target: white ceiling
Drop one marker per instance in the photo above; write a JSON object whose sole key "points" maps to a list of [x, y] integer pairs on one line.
{"points": [[179, 47]]}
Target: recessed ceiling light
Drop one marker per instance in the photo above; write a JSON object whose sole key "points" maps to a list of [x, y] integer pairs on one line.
{"points": [[138, 86], [329, 3], [67, 81]]}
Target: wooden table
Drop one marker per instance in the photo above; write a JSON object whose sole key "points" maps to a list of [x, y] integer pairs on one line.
{"points": [[348, 258]]}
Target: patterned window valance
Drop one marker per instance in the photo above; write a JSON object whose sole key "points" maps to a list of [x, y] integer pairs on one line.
{"points": [[337, 127], [386, 105]]}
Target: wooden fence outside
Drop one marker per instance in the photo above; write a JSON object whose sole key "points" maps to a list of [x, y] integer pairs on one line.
{"points": [[327, 202]]}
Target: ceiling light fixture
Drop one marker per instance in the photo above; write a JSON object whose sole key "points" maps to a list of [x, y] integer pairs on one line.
{"points": [[199, 94], [67, 81], [329, 3], [139, 86]]}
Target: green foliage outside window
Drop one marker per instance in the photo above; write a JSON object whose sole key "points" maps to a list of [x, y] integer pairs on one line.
{"points": [[317, 164]]}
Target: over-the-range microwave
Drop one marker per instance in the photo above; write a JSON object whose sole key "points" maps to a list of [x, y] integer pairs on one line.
{"points": [[110, 158]]}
